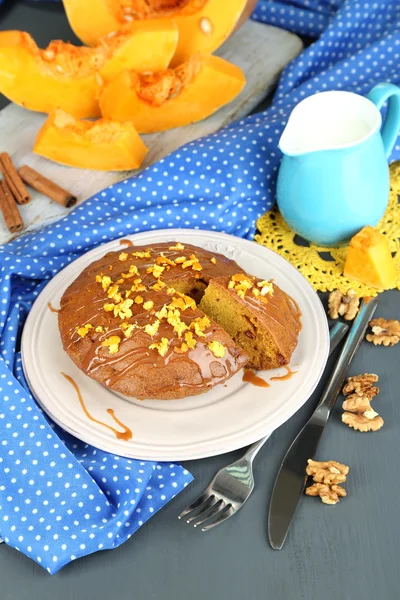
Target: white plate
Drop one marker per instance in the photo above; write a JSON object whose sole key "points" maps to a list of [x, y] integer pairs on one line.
{"points": [[227, 417]]}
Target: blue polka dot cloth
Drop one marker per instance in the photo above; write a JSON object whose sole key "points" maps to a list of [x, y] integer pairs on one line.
{"points": [[60, 498]]}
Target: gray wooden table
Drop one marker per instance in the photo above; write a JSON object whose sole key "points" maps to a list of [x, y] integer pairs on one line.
{"points": [[350, 551]]}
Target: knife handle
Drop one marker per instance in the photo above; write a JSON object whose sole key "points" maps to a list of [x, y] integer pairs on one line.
{"points": [[350, 347]]}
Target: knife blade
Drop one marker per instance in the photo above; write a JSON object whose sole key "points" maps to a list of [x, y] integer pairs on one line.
{"points": [[291, 479]]}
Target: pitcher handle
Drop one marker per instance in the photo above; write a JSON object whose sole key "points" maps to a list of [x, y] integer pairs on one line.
{"points": [[378, 95]]}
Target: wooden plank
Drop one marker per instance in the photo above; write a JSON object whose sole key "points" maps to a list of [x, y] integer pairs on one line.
{"points": [[260, 50]]}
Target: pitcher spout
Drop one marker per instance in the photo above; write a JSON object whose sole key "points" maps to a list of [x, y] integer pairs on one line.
{"points": [[291, 143]]}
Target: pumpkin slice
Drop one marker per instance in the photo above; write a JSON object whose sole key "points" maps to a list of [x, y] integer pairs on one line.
{"points": [[203, 24], [70, 77], [370, 261], [173, 97], [102, 145]]}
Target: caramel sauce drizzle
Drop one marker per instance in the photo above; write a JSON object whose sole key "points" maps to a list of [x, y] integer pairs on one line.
{"points": [[127, 243], [289, 375], [125, 435], [250, 377], [298, 311], [51, 307]]}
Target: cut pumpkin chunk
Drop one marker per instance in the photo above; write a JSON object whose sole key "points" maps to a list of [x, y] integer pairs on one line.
{"points": [[102, 145], [203, 24], [369, 260], [70, 77], [173, 97]]}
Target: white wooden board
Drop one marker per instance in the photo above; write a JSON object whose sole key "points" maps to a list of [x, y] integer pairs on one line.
{"points": [[260, 50]]}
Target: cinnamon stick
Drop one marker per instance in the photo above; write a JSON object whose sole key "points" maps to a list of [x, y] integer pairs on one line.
{"points": [[46, 187], [13, 180], [9, 209]]}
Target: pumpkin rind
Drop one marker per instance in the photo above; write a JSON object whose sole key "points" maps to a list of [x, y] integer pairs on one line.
{"points": [[203, 24], [102, 145], [167, 101], [70, 77]]}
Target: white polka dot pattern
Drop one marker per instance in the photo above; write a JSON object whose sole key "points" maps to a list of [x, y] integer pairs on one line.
{"points": [[60, 498]]}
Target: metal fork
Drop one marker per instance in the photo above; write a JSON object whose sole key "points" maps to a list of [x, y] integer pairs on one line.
{"points": [[232, 485]]}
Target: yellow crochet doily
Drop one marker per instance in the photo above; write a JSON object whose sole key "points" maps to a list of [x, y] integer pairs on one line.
{"points": [[327, 275]]}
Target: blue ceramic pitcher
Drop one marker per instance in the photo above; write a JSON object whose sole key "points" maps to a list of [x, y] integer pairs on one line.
{"points": [[334, 176]]}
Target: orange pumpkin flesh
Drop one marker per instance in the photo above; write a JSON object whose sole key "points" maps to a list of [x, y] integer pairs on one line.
{"points": [[69, 77], [172, 98], [102, 145], [203, 24]]}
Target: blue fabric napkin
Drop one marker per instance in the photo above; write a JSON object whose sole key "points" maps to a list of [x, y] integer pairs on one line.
{"points": [[60, 498]]}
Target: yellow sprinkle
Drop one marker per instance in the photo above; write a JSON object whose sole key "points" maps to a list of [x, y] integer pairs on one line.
{"points": [[162, 313], [123, 256], [266, 287], [182, 348], [83, 331], [146, 254], [213, 260], [99, 329], [190, 340], [177, 246], [138, 300], [112, 291], [109, 307], [177, 303], [123, 309], [199, 325], [156, 270], [133, 270], [183, 302], [138, 287], [197, 266], [187, 264], [112, 343], [174, 319], [162, 346], [148, 305], [151, 329], [180, 260], [127, 328], [158, 286], [217, 349], [105, 281], [163, 260]]}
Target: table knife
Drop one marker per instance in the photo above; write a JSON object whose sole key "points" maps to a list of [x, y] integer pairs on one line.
{"points": [[291, 479]]}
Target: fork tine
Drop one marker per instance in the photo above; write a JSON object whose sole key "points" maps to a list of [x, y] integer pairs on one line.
{"points": [[209, 503], [222, 516], [196, 504], [208, 514]]}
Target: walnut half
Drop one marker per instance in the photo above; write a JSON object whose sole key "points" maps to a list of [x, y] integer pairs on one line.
{"points": [[328, 494], [386, 333], [326, 476], [343, 305], [359, 391], [362, 385], [367, 421]]}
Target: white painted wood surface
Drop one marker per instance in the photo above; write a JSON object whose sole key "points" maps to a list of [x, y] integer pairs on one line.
{"points": [[260, 50]]}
